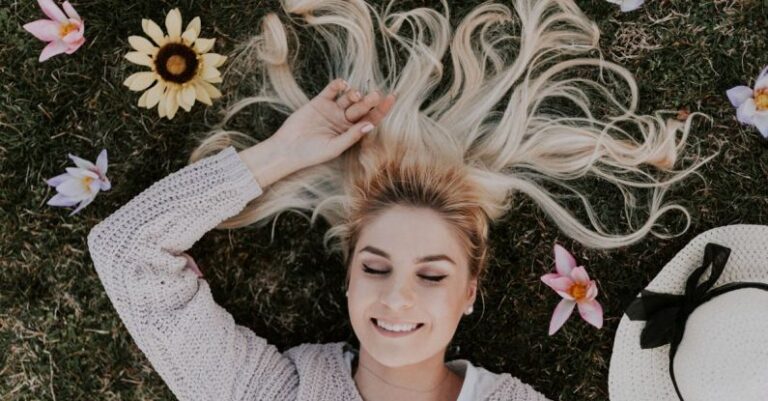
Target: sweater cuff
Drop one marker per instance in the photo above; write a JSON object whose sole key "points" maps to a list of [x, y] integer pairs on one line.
{"points": [[238, 175]]}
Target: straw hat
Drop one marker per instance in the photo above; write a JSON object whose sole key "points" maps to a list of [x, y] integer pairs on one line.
{"points": [[699, 331]]}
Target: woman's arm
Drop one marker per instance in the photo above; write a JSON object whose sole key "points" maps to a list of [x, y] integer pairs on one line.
{"points": [[192, 342]]}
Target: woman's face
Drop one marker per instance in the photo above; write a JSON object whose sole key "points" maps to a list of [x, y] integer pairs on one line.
{"points": [[408, 269]]}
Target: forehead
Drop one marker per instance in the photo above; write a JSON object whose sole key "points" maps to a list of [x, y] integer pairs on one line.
{"points": [[408, 233]]}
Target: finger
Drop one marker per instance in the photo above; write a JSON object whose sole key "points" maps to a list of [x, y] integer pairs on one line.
{"points": [[333, 88], [379, 112], [349, 98], [351, 136], [361, 108]]}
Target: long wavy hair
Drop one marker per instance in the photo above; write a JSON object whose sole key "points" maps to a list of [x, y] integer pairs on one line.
{"points": [[517, 115]]}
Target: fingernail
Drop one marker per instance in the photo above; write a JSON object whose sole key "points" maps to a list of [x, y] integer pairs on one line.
{"points": [[367, 128]]}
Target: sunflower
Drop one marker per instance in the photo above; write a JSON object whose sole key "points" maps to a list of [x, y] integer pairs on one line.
{"points": [[181, 67]]}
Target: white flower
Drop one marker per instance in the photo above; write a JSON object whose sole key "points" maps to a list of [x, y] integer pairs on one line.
{"points": [[80, 184], [752, 105], [628, 5]]}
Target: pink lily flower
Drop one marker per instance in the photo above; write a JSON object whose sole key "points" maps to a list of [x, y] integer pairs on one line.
{"points": [[752, 105], [64, 33], [573, 284], [80, 184]]}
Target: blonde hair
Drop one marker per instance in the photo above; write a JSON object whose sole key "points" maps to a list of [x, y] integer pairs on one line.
{"points": [[498, 127]]}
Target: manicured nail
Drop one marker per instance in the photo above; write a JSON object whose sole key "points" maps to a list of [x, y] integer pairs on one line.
{"points": [[367, 128]]}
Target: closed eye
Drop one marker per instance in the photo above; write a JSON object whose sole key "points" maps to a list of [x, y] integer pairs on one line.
{"points": [[374, 271], [368, 270]]}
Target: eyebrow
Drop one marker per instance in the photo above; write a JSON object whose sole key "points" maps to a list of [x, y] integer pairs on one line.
{"points": [[430, 258]]}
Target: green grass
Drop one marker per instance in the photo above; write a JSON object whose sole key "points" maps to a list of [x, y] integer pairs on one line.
{"points": [[61, 339]]}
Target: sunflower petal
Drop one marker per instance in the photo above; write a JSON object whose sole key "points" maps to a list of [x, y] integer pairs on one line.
{"points": [[173, 24], [171, 103], [154, 94], [202, 95], [213, 59], [187, 97], [192, 31], [161, 106], [140, 80], [202, 45], [213, 92], [210, 73], [142, 45], [143, 100], [153, 31], [139, 58]]}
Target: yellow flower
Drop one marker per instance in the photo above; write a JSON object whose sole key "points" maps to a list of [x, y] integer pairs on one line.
{"points": [[180, 65]]}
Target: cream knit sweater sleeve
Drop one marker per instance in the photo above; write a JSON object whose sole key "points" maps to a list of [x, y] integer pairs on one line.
{"points": [[192, 342]]}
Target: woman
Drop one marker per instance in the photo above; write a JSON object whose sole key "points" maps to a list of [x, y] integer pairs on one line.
{"points": [[409, 206]]}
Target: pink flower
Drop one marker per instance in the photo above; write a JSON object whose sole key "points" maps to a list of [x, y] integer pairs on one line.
{"points": [[573, 284], [80, 184], [64, 33], [752, 105]]}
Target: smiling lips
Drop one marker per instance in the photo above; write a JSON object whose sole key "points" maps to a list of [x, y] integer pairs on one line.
{"points": [[390, 329]]}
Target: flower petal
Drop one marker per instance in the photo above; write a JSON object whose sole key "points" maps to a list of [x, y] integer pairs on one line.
{"points": [[202, 45], [213, 59], [139, 58], [44, 29], [213, 92], [73, 46], [210, 73], [579, 275], [561, 284], [62, 200], [193, 30], [562, 312], [73, 38], [173, 24], [55, 181], [739, 94], [746, 112], [101, 162], [201, 94], [153, 31], [82, 163], [631, 5], [105, 185], [140, 80], [52, 10], [187, 97], [53, 48], [564, 261], [71, 11], [78, 172], [161, 106], [142, 44], [171, 103], [591, 291], [760, 120], [592, 312], [73, 188], [83, 204], [154, 94]]}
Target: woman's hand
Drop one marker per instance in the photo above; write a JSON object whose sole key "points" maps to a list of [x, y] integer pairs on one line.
{"points": [[319, 131]]}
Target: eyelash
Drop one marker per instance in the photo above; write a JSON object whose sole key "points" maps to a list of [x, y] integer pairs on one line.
{"points": [[433, 279]]}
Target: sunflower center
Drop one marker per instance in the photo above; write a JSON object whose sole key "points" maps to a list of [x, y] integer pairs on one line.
{"points": [[66, 29], [578, 291], [176, 62], [761, 99]]}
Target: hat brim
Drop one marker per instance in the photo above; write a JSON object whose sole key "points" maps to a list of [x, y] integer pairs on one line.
{"points": [[637, 374]]}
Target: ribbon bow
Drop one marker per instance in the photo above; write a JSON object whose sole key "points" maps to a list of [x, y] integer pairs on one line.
{"points": [[666, 314]]}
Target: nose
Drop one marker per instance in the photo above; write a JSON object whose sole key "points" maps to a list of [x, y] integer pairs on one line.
{"points": [[398, 295]]}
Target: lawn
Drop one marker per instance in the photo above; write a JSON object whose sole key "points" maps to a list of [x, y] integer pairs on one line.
{"points": [[60, 338]]}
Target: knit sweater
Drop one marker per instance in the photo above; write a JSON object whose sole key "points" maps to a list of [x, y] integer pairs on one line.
{"points": [[193, 343]]}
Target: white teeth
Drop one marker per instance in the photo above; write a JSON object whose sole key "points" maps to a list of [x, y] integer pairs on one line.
{"points": [[396, 327]]}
